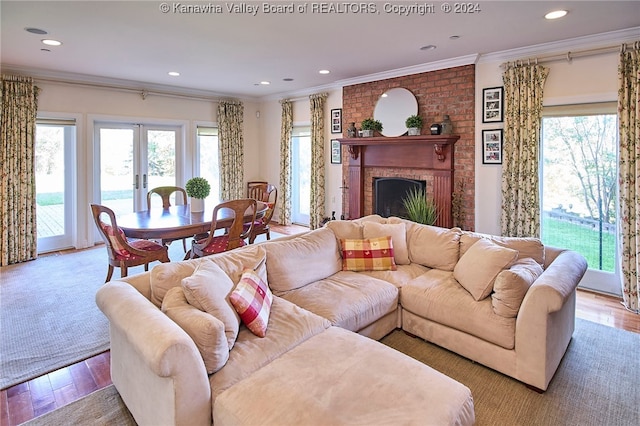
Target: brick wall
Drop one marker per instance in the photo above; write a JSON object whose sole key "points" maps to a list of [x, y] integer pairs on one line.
{"points": [[450, 91]]}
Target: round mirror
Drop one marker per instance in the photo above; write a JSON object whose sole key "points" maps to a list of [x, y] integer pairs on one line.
{"points": [[392, 110]]}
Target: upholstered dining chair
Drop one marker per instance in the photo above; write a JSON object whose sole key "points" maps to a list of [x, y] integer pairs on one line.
{"points": [[122, 252], [165, 193], [235, 234], [267, 193]]}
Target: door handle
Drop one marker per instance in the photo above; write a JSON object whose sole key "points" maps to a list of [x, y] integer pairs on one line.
{"points": [[136, 183], [144, 181]]}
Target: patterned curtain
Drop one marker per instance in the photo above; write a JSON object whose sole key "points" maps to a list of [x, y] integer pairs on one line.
{"points": [[629, 178], [285, 162], [231, 149], [19, 237], [317, 160], [520, 181]]}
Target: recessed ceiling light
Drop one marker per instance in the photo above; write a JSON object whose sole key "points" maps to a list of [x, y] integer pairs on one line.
{"points": [[428, 47], [50, 42], [265, 83], [173, 73], [35, 30], [324, 71], [45, 50], [454, 37], [555, 14], [287, 79]]}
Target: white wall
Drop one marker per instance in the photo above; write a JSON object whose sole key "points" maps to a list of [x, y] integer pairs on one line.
{"points": [[89, 103], [587, 79]]}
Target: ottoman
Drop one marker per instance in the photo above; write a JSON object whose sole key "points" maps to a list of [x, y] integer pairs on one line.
{"points": [[342, 378]]}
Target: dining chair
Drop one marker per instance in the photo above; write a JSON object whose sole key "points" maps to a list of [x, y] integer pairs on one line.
{"points": [[165, 193], [122, 252], [235, 234], [267, 193]]}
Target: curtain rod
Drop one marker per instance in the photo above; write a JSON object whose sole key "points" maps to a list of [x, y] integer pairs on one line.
{"points": [[569, 56], [142, 92]]}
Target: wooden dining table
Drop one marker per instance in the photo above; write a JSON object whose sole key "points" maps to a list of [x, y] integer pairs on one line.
{"points": [[177, 221]]}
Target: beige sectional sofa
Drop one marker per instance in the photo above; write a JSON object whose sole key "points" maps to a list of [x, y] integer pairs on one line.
{"points": [[173, 363]]}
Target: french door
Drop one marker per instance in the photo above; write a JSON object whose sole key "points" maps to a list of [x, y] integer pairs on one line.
{"points": [[301, 175], [132, 159]]}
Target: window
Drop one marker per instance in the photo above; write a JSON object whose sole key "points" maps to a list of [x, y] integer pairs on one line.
{"points": [[579, 182], [208, 158], [301, 175]]}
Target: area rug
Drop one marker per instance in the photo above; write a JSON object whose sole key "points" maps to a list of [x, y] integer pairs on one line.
{"points": [[596, 383], [100, 408]]}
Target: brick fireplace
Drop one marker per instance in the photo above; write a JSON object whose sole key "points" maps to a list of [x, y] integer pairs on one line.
{"points": [[450, 91]]}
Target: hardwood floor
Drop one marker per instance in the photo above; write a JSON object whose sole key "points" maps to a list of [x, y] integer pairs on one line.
{"points": [[35, 397]]}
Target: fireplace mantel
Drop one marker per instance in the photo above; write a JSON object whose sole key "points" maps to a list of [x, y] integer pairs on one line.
{"points": [[432, 153]]}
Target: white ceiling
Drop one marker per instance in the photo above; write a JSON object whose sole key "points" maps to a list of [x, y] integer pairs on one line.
{"points": [[228, 54]]}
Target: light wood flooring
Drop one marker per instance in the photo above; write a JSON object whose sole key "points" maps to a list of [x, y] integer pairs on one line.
{"points": [[38, 396]]}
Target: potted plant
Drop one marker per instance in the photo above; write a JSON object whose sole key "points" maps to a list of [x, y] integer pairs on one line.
{"points": [[198, 189], [420, 208], [414, 124], [369, 125]]}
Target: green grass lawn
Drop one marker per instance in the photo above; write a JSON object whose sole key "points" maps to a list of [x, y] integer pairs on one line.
{"points": [[584, 240], [53, 198]]}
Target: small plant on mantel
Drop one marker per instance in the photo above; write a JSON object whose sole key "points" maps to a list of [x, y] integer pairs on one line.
{"points": [[369, 125], [419, 207], [414, 124]]}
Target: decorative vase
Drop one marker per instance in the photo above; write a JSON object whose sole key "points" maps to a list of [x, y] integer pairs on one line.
{"points": [[447, 126], [197, 205], [352, 132], [367, 133], [414, 131]]}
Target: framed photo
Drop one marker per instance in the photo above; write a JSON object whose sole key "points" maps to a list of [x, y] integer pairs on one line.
{"points": [[336, 152], [336, 120], [492, 146], [492, 104]]}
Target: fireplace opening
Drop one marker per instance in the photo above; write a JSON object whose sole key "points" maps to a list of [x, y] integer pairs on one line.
{"points": [[389, 193]]}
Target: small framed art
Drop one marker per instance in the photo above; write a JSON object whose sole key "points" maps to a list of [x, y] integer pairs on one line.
{"points": [[336, 152], [492, 146], [492, 104], [336, 120]]}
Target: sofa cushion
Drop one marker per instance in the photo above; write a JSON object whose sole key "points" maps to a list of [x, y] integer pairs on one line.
{"points": [[400, 276], [526, 246], [167, 275], [289, 325], [345, 229], [511, 286], [252, 300], [374, 254], [206, 331], [477, 270], [438, 297], [350, 300], [208, 289], [299, 261], [398, 234], [431, 246]]}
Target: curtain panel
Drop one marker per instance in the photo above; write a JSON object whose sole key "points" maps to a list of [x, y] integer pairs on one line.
{"points": [[629, 172], [286, 128], [19, 237], [317, 212], [231, 149], [524, 86]]}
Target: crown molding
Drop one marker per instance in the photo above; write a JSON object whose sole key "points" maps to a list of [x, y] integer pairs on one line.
{"points": [[594, 41]]}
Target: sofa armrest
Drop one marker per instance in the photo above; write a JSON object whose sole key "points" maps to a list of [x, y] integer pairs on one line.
{"points": [[155, 365], [546, 319]]}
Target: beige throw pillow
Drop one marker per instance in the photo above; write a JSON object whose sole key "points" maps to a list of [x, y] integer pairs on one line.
{"points": [[432, 246], [526, 246], [398, 234], [511, 286], [206, 331], [208, 289], [477, 270], [345, 229]]}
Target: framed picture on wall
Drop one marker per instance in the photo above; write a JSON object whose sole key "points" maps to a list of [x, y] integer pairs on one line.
{"points": [[492, 104], [492, 146], [336, 120], [336, 152]]}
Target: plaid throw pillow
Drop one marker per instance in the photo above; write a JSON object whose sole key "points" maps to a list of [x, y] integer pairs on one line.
{"points": [[374, 254], [252, 300]]}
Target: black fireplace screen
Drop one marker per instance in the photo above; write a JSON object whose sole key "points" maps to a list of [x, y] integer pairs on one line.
{"points": [[389, 193]]}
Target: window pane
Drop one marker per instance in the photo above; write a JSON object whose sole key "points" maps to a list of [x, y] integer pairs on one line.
{"points": [[209, 159], [579, 186], [50, 180]]}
